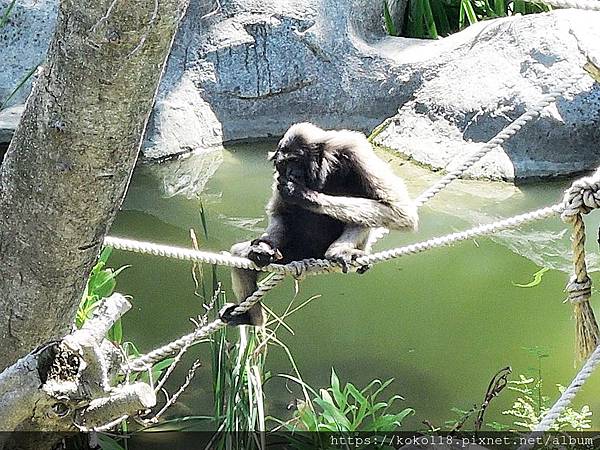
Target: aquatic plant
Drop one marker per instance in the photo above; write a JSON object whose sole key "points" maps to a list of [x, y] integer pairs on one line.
{"points": [[346, 409], [101, 284], [529, 408]]}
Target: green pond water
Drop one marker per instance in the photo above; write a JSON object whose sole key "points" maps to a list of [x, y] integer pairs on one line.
{"points": [[440, 323]]}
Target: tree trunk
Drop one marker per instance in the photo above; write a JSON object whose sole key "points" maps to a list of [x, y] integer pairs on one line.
{"points": [[68, 166]]}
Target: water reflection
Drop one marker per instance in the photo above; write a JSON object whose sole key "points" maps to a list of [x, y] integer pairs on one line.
{"points": [[441, 323]]}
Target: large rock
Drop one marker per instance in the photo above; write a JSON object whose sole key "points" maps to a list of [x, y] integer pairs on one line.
{"points": [[489, 81], [250, 68]]}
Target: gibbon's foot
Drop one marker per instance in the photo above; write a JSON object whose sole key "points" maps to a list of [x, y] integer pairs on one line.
{"points": [[262, 254], [234, 320], [346, 258]]}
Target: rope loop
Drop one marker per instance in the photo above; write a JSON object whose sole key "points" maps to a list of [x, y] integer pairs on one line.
{"points": [[579, 291], [582, 197]]}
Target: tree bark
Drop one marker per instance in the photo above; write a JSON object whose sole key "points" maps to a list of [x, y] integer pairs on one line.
{"points": [[68, 166]]}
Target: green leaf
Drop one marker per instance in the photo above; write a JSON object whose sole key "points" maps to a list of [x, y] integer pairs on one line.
{"points": [[429, 21], [336, 391], [382, 387], [467, 12], [441, 18], [329, 409], [308, 418], [105, 254], [390, 26], [500, 8], [108, 443], [537, 279], [115, 334], [103, 284], [157, 371]]}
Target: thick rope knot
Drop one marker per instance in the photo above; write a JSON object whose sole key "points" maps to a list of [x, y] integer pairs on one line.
{"points": [[579, 291], [582, 197]]}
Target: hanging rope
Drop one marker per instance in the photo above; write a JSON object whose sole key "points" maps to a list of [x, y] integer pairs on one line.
{"points": [[581, 198], [146, 361]]}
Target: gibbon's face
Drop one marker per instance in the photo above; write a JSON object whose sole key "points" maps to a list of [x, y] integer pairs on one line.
{"points": [[295, 160]]}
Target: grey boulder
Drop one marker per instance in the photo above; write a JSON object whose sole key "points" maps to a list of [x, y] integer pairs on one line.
{"points": [[249, 69], [487, 81]]}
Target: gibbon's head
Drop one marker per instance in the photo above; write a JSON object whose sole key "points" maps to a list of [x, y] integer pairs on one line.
{"points": [[299, 153]]}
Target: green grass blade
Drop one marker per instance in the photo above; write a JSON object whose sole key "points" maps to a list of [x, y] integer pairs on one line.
{"points": [[6, 15], [467, 11], [18, 87], [390, 26], [416, 19], [500, 8], [429, 21], [441, 18], [519, 7]]}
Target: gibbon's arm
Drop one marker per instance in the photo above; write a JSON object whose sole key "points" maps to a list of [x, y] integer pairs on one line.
{"points": [[274, 235], [398, 214]]}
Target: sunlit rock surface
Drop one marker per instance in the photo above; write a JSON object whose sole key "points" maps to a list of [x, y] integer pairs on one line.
{"points": [[248, 69], [501, 68]]}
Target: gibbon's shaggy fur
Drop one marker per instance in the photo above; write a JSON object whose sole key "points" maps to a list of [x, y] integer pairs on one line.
{"points": [[330, 192]]}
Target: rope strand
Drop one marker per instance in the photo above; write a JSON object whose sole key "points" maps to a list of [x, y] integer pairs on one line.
{"points": [[509, 131]]}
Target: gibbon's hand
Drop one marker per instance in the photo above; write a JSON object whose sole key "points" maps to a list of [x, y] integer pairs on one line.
{"points": [[262, 253], [346, 256], [293, 192]]}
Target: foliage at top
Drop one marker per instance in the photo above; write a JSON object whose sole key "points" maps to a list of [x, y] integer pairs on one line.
{"points": [[437, 18]]}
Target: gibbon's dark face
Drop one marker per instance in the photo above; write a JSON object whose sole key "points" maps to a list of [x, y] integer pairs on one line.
{"points": [[296, 160]]}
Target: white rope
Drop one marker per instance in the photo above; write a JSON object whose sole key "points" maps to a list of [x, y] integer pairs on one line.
{"points": [[509, 131], [582, 196], [316, 266], [569, 394], [146, 361], [452, 238]]}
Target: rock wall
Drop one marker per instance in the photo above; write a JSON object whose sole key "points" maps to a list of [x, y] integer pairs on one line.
{"points": [[249, 69]]}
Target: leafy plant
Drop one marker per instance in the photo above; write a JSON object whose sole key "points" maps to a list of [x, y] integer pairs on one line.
{"points": [[347, 409], [528, 409], [436, 18], [531, 405], [100, 284]]}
